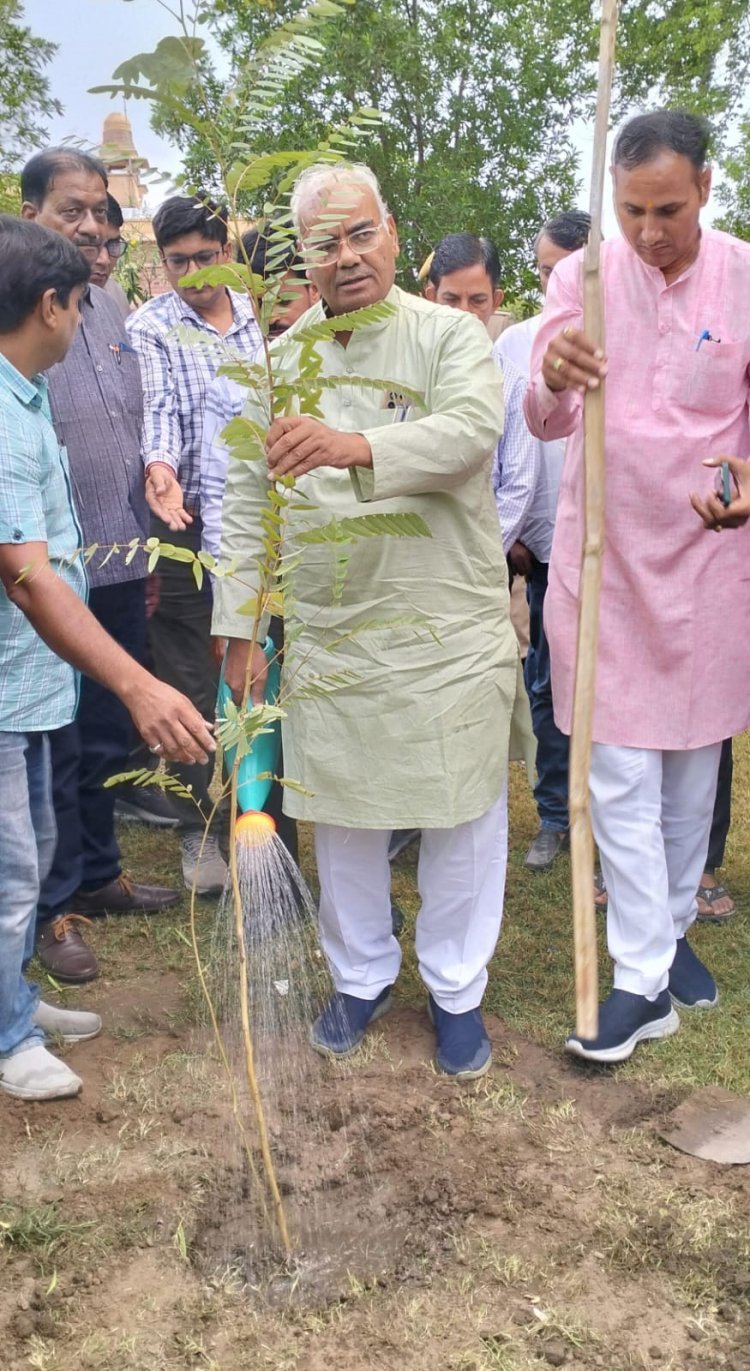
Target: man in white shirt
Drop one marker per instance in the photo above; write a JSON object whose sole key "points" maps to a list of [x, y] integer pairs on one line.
{"points": [[529, 556], [464, 274]]}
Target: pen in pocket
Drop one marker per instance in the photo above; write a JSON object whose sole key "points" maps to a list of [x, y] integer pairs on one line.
{"points": [[706, 337]]}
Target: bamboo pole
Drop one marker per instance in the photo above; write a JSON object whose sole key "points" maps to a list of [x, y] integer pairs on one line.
{"points": [[581, 838]]}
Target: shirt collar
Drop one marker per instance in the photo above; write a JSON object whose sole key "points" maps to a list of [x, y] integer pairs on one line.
{"points": [[657, 275], [30, 392], [242, 312], [393, 298]]}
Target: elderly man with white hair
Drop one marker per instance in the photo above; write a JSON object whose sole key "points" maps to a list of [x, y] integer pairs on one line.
{"points": [[418, 737]]}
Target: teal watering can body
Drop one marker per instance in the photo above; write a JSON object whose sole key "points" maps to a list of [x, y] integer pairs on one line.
{"points": [[258, 767]]}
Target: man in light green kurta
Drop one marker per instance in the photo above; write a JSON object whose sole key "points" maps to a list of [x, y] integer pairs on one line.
{"points": [[419, 736]]}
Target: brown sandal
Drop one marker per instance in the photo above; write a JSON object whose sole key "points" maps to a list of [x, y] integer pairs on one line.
{"points": [[708, 894]]}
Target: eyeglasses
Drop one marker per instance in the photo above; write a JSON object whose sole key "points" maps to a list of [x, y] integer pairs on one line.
{"points": [[323, 252], [179, 261], [115, 247]]}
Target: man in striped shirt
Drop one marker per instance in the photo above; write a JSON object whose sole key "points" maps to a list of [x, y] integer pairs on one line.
{"points": [[191, 233]]}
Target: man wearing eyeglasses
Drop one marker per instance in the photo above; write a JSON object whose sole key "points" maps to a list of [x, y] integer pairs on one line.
{"points": [[191, 233], [96, 401], [418, 735], [112, 248]]}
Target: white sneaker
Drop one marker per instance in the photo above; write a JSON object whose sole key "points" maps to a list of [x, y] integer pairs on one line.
{"points": [[72, 1025], [32, 1073], [205, 870]]}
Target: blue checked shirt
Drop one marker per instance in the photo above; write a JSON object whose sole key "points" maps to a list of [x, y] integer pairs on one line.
{"points": [[515, 469], [38, 691], [176, 375]]}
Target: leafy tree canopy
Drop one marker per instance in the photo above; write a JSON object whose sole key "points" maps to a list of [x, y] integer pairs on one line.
{"points": [[478, 98], [734, 193], [25, 100]]}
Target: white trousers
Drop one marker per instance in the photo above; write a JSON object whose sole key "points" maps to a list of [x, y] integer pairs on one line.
{"points": [[461, 878], [651, 814]]}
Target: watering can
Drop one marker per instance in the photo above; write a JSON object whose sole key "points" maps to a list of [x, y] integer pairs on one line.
{"points": [[253, 784]]}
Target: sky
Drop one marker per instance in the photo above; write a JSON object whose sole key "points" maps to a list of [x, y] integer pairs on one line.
{"points": [[95, 36]]}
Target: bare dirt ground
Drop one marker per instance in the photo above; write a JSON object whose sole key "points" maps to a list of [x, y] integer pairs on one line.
{"points": [[531, 1219]]}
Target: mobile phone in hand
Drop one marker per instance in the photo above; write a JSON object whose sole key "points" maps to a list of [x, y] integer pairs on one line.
{"points": [[725, 490]]}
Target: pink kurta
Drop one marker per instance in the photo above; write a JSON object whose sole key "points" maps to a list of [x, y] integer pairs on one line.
{"points": [[673, 667]]}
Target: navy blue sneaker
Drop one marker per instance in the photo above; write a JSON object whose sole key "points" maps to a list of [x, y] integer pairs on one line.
{"points": [[341, 1027], [463, 1048], [624, 1021], [691, 984]]}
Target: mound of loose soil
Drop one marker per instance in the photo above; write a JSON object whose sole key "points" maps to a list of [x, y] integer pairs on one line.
{"points": [[530, 1219]]}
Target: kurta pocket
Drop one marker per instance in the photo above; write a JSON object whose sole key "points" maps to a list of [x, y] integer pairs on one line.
{"points": [[711, 379]]}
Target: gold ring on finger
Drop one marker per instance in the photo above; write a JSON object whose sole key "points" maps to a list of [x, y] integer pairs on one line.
{"points": [[567, 332], [558, 364]]}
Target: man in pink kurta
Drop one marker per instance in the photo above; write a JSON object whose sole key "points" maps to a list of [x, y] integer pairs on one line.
{"points": [[673, 667]]}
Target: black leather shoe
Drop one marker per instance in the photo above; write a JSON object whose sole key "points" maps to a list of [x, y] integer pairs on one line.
{"points": [[123, 896]]}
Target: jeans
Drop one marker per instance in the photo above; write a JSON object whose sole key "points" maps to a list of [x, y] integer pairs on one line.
{"points": [[722, 809], [27, 843], [85, 754], [551, 789]]}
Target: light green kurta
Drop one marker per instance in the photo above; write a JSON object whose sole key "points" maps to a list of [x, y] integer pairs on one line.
{"points": [[420, 738]]}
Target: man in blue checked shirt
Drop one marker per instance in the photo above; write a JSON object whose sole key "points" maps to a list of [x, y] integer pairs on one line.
{"points": [[191, 233], [225, 398], [46, 631]]}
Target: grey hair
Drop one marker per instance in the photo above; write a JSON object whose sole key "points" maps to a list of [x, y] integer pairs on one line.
{"points": [[313, 184]]}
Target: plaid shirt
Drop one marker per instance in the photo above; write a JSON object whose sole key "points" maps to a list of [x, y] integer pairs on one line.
{"points": [[176, 375], [225, 399], [38, 691], [97, 410]]}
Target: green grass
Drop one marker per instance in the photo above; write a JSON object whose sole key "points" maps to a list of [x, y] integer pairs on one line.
{"points": [[41, 1228], [531, 982]]}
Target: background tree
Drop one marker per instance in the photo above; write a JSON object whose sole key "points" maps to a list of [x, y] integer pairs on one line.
{"points": [[734, 193], [25, 100], [479, 100]]}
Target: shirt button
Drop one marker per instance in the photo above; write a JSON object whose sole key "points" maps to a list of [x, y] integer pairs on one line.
{"points": [[99, 366], [17, 535], [664, 328]]}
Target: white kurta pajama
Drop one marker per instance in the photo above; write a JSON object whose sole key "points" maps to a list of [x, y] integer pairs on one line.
{"points": [[420, 738]]}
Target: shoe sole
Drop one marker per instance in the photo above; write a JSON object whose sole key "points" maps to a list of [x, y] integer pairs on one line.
{"points": [[204, 890], [459, 1075], [660, 1028], [465, 1075], [696, 1004], [78, 1037], [53, 1035], [130, 814], [18, 1093], [64, 977], [324, 1051]]}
